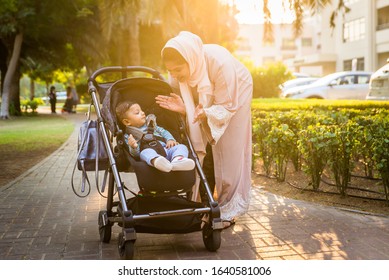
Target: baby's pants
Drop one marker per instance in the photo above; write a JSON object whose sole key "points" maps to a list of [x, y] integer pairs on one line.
{"points": [[178, 150]]}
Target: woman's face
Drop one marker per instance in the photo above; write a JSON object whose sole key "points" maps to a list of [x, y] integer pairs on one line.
{"points": [[178, 71]]}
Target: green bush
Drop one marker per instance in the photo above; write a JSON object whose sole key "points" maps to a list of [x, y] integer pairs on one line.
{"points": [[323, 137], [267, 80], [380, 149], [32, 105]]}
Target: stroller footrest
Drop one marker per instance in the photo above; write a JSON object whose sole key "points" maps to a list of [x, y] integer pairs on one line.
{"points": [[168, 213]]}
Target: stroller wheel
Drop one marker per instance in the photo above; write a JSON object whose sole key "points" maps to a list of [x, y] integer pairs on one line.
{"points": [[105, 227], [126, 249], [211, 238]]}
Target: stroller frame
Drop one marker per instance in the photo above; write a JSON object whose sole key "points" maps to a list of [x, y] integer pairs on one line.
{"points": [[118, 211]]}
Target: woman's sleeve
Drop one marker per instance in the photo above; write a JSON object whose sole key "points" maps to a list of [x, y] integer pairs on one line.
{"points": [[225, 101], [218, 119]]}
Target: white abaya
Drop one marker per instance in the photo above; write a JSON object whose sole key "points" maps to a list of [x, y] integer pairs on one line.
{"points": [[225, 90]]}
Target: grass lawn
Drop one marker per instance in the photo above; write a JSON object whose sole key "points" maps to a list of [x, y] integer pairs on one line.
{"points": [[26, 140], [27, 133]]}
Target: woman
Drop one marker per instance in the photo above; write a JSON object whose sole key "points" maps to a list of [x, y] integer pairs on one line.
{"points": [[216, 91], [68, 106]]}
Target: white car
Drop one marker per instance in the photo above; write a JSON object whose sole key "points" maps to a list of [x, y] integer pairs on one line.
{"points": [[340, 85], [379, 84], [296, 83]]}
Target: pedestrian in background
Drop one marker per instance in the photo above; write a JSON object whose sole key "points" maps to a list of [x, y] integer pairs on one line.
{"points": [[52, 99], [75, 99], [68, 106]]}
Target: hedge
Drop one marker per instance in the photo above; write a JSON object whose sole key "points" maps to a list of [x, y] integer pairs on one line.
{"points": [[315, 135]]}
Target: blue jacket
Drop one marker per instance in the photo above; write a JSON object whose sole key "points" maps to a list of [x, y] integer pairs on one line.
{"points": [[158, 131]]}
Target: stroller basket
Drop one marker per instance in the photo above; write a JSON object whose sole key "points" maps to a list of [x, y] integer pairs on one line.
{"points": [[163, 203]]}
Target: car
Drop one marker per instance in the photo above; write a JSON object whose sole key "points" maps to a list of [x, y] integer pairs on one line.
{"points": [[61, 97], [298, 75], [339, 85], [379, 84], [295, 83]]}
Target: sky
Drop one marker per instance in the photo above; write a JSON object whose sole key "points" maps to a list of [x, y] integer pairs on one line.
{"points": [[251, 11]]}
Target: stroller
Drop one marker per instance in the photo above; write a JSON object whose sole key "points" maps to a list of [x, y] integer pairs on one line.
{"points": [[163, 203]]}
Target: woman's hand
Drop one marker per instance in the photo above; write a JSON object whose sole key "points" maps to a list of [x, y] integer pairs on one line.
{"points": [[170, 143], [199, 114], [173, 103]]}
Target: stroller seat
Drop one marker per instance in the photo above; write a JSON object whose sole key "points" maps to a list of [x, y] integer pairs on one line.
{"points": [[143, 91], [151, 180]]}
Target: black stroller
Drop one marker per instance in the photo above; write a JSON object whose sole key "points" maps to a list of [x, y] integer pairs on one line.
{"points": [[163, 203]]}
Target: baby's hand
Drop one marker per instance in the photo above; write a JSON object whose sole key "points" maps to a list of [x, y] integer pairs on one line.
{"points": [[132, 142], [170, 143]]}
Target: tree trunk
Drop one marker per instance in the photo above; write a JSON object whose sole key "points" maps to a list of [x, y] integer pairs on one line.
{"points": [[134, 41], [8, 76], [3, 64], [32, 89], [14, 94]]}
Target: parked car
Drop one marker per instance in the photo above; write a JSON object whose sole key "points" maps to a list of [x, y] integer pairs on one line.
{"points": [[298, 75], [379, 84], [339, 85], [61, 97], [295, 83]]}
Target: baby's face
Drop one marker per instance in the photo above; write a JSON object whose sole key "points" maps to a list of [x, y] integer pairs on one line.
{"points": [[135, 116]]}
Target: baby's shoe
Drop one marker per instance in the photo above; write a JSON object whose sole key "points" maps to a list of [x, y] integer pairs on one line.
{"points": [[182, 164], [162, 164]]}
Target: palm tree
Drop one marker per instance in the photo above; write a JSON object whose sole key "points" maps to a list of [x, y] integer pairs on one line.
{"points": [[120, 24], [299, 7]]}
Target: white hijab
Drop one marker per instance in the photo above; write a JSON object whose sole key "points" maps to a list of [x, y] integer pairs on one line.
{"points": [[190, 46]]}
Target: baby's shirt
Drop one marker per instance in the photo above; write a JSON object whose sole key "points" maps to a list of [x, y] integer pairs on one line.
{"points": [[158, 131]]}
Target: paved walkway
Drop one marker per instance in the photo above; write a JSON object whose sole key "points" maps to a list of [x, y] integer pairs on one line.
{"points": [[41, 218]]}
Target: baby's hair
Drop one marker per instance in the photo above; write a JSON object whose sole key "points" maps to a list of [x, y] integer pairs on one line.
{"points": [[122, 108], [172, 55]]}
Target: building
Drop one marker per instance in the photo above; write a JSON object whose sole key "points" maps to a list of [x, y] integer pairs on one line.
{"points": [[284, 46], [360, 40]]}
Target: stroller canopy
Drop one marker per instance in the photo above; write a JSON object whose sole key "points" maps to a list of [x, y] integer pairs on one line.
{"points": [[143, 91]]}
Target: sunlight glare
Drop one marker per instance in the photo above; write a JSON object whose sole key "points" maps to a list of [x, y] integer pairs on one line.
{"points": [[251, 11]]}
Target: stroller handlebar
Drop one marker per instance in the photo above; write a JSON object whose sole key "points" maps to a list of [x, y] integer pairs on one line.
{"points": [[124, 70]]}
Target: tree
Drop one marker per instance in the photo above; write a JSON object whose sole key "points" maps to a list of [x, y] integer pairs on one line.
{"points": [[212, 20], [299, 7], [120, 25], [51, 37], [12, 21], [122, 20]]}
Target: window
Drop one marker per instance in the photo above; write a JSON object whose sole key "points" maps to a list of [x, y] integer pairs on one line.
{"points": [[363, 79], [383, 18], [347, 64], [345, 80], [288, 44], [354, 30], [288, 56], [306, 42]]}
